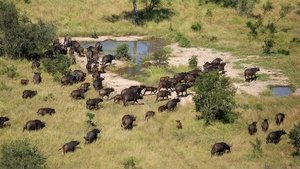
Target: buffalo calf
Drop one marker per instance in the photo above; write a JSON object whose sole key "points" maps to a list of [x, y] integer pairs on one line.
{"points": [[69, 147]]}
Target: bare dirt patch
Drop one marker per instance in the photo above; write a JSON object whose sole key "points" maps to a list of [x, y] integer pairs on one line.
{"points": [[180, 56]]}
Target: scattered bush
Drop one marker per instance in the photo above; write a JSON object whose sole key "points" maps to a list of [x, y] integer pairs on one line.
{"points": [[9, 71], [130, 163], [21, 154], [214, 97], [209, 13], [193, 62], [90, 119], [20, 36], [183, 41], [256, 148], [294, 136], [295, 40], [94, 35], [283, 51], [196, 27], [159, 58], [57, 67], [122, 51], [268, 45]]}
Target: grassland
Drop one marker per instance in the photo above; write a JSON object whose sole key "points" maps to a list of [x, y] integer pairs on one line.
{"points": [[154, 144], [224, 30]]}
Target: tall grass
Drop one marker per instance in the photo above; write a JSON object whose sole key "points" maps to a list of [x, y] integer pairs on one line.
{"points": [[154, 144]]}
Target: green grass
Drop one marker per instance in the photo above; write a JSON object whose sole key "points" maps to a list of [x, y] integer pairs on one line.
{"points": [[153, 144]]}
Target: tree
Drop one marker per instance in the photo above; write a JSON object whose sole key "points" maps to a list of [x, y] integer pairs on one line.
{"points": [[135, 15], [214, 97], [20, 36], [294, 135], [21, 154]]}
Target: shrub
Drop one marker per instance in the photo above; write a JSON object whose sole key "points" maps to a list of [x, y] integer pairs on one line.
{"points": [[122, 51], [21, 154], [20, 36], [214, 97], [57, 67], [283, 51], [90, 119], [4, 87], [294, 136], [159, 58], [256, 148], [193, 62], [267, 7], [27, 1], [182, 41], [268, 45], [209, 13], [196, 27], [9, 71], [130, 163], [94, 35], [48, 97]]}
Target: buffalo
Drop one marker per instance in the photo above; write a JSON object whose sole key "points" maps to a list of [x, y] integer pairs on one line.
{"points": [[216, 61], [265, 125], [167, 84], [24, 82], [163, 94], [250, 73], [128, 97], [79, 75], [3, 120], [182, 88], [37, 78], [220, 149], [279, 117], [107, 59], [150, 89], [171, 105], [29, 94], [133, 89], [178, 124], [68, 80], [275, 136], [98, 83], [162, 108], [35, 64], [105, 92], [44, 111], [180, 76], [149, 114], [77, 94], [91, 136], [93, 103], [164, 78], [118, 98], [252, 128], [34, 125], [69, 147], [127, 121], [85, 86]]}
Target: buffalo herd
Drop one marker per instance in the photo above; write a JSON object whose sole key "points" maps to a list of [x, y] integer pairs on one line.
{"points": [[179, 83]]}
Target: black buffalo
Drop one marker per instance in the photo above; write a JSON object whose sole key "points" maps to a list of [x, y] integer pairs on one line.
{"points": [[275, 136], [128, 97], [220, 149], [37, 78], [69, 147], [162, 108], [68, 80], [150, 89], [163, 94], [149, 114], [178, 124], [44, 111], [279, 117], [24, 82], [3, 120], [250, 73], [35, 64], [118, 98], [171, 105], [98, 83], [34, 125], [127, 121], [91, 136], [181, 88], [93, 103], [252, 129], [85, 86], [107, 59], [29, 94], [265, 125], [77, 94], [105, 92]]}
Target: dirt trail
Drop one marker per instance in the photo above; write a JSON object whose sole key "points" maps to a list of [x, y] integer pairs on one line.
{"points": [[181, 56]]}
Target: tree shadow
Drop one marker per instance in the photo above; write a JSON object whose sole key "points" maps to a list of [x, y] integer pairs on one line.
{"points": [[156, 15]]}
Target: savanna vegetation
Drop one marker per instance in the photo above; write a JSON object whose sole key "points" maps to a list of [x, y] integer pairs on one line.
{"points": [[264, 28]]}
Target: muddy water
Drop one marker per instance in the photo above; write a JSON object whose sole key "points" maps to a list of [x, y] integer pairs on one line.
{"points": [[281, 90], [137, 51]]}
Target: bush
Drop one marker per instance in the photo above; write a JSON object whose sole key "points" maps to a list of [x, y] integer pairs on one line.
{"points": [[283, 51], [122, 51], [214, 98], [130, 163], [196, 27], [90, 119], [159, 58], [20, 36], [9, 71], [256, 148], [94, 35], [268, 45], [294, 136], [57, 67], [182, 41], [21, 154], [193, 62], [4, 87]]}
